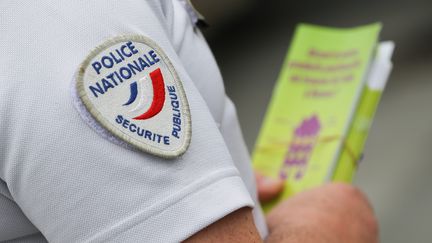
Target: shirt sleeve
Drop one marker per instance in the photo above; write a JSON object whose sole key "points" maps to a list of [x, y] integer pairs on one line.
{"points": [[75, 185]]}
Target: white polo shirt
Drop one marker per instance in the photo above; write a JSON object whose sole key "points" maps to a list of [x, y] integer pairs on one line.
{"points": [[65, 175]]}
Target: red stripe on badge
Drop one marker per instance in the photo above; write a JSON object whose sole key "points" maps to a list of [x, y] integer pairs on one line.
{"points": [[158, 96]]}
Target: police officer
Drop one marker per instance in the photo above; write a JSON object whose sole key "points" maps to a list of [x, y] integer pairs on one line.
{"points": [[115, 126]]}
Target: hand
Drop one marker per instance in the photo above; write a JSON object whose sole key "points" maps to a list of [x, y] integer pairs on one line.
{"points": [[268, 188], [334, 213]]}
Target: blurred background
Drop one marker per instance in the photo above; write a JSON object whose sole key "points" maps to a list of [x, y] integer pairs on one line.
{"points": [[250, 39]]}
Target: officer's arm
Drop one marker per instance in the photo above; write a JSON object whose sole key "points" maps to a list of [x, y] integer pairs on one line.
{"points": [[330, 213], [235, 227]]}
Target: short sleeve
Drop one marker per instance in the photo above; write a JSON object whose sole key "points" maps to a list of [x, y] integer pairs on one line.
{"points": [[75, 185]]}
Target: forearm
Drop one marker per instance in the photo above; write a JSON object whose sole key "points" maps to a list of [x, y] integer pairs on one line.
{"points": [[331, 213], [235, 227], [294, 233]]}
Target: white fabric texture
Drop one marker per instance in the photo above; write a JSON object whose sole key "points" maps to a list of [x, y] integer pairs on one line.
{"points": [[13, 223], [72, 184]]}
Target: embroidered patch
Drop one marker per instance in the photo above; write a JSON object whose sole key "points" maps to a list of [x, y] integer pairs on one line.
{"points": [[130, 87]]}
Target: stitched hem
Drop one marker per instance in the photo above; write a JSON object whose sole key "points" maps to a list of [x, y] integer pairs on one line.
{"points": [[183, 214]]}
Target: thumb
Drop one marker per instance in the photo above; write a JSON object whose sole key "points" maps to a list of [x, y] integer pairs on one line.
{"points": [[268, 188]]}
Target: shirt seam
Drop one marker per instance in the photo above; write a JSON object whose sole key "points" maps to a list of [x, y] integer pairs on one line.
{"points": [[143, 215]]}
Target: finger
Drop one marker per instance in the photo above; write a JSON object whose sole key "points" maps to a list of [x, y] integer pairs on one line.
{"points": [[268, 188]]}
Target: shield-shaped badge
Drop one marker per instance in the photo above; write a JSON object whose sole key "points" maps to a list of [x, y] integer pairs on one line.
{"points": [[130, 87]]}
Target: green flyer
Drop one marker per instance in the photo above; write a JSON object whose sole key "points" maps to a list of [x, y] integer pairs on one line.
{"points": [[319, 103]]}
